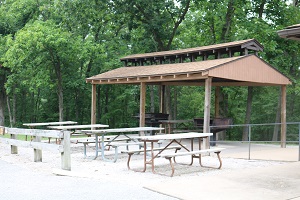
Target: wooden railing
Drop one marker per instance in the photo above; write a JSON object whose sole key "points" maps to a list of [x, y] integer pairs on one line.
{"points": [[36, 143]]}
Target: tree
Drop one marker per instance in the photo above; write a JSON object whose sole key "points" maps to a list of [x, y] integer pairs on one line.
{"points": [[42, 55]]}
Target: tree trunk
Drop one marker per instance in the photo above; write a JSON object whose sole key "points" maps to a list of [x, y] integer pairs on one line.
{"points": [[61, 104], [106, 103], [228, 19], [14, 111], [248, 113], [58, 75], [99, 107], [2, 106], [261, 9], [9, 112]]}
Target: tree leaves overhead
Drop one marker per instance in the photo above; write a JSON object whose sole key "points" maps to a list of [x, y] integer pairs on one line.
{"points": [[159, 19]]}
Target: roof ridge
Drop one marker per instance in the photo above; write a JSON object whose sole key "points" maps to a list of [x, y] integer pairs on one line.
{"points": [[192, 49]]}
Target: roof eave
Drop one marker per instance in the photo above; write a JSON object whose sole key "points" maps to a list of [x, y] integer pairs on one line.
{"points": [[202, 74], [292, 33]]}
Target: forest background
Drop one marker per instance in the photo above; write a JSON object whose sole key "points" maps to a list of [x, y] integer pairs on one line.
{"points": [[49, 47]]}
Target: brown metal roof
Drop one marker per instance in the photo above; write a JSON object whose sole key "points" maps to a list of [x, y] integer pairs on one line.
{"points": [[291, 32], [235, 69], [249, 43]]}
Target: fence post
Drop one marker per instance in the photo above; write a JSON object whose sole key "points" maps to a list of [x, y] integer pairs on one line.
{"points": [[249, 140], [36, 152], [13, 149], [66, 154], [299, 143]]}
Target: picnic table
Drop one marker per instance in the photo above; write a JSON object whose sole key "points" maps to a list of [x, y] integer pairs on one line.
{"points": [[32, 125], [118, 131], [79, 127], [169, 124], [177, 139]]}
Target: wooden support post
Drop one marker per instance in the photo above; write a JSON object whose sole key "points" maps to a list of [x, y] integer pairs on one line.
{"points": [[37, 153], [13, 149], [208, 83], [283, 116], [93, 106], [162, 99], [66, 155], [230, 53], [142, 104]]}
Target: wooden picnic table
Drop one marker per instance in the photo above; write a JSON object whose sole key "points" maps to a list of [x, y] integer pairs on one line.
{"points": [[119, 131], [79, 127], [170, 139], [49, 123]]}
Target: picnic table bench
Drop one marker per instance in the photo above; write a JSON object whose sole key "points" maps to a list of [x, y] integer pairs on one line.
{"points": [[131, 152], [107, 139], [194, 154], [177, 138]]}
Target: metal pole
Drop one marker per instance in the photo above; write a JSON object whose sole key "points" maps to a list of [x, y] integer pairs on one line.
{"points": [[249, 139], [299, 143]]}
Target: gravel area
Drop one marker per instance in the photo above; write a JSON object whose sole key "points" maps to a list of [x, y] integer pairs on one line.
{"points": [[116, 175]]}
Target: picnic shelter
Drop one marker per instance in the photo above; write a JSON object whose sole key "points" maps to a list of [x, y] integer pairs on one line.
{"points": [[228, 64]]}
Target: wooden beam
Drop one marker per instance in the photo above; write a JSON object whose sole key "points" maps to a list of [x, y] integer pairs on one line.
{"points": [[227, 84], [157, 78], [207, 100], [283, 116], [35, 132], [185, 80], [66, 154], [32, 144], [13, 148], [162, 98], [230, 54], [142, 103], [93, 105]]}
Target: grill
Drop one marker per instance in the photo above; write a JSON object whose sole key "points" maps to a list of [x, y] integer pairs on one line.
{"points": [[152, 119], [220, 123]]}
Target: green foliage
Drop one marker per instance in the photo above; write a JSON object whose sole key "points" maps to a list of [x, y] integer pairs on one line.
{"points": [[52, 46]]}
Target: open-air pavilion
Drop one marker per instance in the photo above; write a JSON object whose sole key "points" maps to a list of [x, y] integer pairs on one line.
{"points": [[228, 64]]}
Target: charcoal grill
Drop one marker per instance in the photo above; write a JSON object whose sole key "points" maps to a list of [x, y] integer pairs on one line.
{"points": [[218, 125], [152, 119]]}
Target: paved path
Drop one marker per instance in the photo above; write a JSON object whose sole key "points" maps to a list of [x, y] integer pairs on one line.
{"points": [[18, 183], [279, 182]]}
